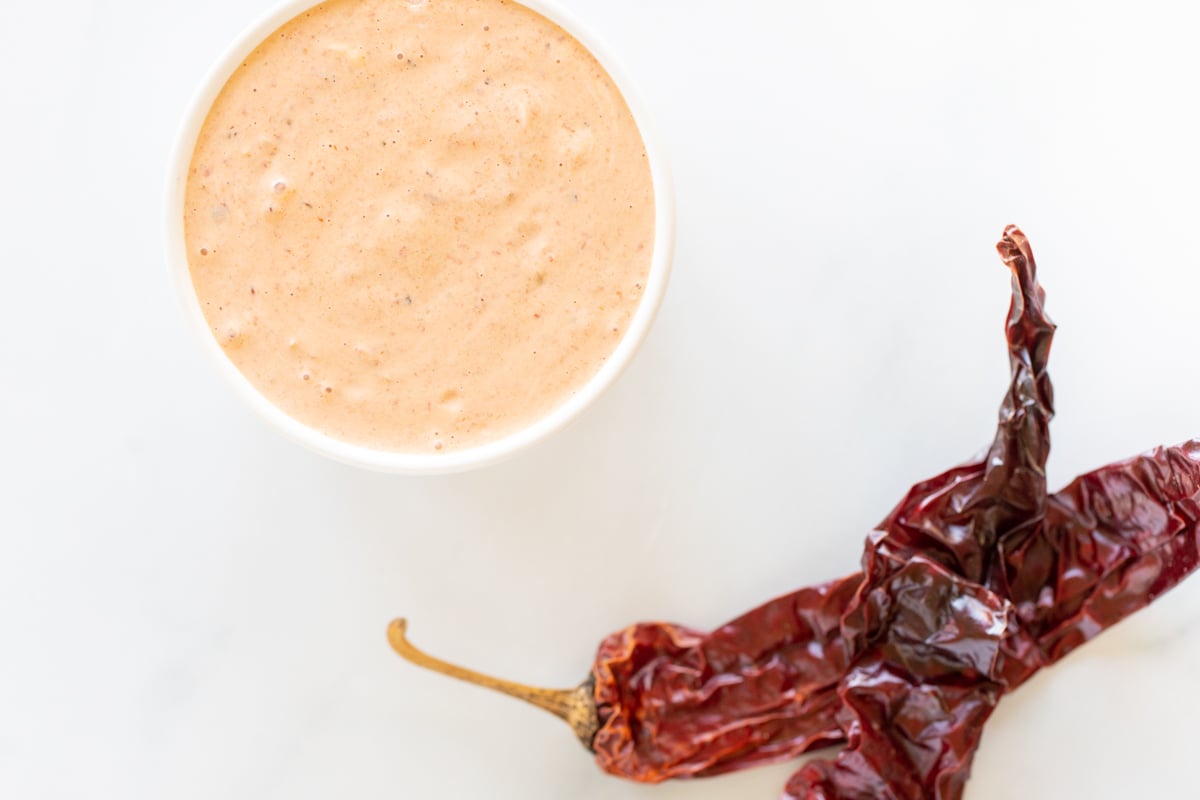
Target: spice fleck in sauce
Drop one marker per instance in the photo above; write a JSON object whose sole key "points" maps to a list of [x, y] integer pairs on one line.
{"points": [[419, 226]]}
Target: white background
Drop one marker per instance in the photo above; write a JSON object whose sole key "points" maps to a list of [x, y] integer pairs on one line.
{"points": [[193, 607]]}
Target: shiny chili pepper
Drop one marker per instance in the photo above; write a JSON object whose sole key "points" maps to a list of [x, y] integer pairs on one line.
{"points": [[974, 582]]}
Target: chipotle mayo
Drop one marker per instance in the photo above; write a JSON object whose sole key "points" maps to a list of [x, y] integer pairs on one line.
{"points": [[419, 225]]}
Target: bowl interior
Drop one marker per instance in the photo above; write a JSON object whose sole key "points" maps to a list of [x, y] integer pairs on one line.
{"points": [[402, 462]]}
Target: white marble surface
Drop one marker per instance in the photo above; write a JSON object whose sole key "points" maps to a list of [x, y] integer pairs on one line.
{"points": [[194, 608]]}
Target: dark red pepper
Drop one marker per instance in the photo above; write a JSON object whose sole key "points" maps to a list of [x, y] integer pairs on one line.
{"points": [[974, 582]]}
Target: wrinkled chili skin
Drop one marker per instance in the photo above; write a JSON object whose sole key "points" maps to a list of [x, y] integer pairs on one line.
{"points": [[926, 677], [674, 702], [1113, 541], [977, 579]]}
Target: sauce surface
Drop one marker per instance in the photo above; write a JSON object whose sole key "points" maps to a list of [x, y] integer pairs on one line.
{"points": [[419, 225]]}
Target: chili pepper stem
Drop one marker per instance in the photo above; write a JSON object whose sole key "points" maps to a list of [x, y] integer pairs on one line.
{"points": [[575, 706]]}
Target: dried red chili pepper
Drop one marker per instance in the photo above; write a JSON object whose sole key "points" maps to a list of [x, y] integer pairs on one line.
{"points": [[938, 658], [974, 582], [927, 624], [1010, 581]]}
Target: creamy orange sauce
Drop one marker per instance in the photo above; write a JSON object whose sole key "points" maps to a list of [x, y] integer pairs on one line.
{"points": [[419, 225]]}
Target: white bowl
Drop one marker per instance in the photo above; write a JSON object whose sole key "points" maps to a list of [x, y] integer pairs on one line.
{"points": [[391, 461]]}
